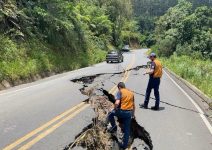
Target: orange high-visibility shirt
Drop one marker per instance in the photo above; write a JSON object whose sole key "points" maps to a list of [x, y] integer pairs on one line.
{"points": [[158, 71], [127, 99]]}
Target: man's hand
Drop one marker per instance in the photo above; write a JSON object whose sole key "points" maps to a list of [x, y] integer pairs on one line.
{"points": [[151, 71], [117, 103]]}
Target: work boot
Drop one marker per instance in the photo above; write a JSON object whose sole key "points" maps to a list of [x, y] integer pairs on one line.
{"points": [[155, 108], [143, 106]]}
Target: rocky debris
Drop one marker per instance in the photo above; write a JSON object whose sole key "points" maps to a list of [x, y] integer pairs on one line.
{"points": [[96, 135]]}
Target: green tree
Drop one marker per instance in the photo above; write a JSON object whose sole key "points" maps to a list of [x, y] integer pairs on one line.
{"points": [[183, 27]]}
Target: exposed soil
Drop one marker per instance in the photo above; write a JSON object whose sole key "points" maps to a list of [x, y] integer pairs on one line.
{"points": [[96, 136]]}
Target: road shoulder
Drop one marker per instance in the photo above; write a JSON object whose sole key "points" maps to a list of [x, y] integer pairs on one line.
{"points": [[199, 97]]}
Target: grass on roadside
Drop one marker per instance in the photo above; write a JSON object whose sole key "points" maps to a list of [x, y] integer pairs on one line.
{"points": [[196, 71]]}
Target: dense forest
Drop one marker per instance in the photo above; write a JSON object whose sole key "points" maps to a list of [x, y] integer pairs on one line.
{"points": [[148, 12], [180, 32], [185, 31]]}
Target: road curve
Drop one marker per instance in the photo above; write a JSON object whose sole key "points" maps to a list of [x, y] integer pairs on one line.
{"points": [[47, 114]]}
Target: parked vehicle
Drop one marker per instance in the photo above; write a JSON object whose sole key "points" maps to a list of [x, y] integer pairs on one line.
{"points": [[114, 56], [126, 48]]}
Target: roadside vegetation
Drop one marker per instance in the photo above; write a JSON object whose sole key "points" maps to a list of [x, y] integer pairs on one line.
{"points": [[184, 40], [185, 31], [180, 33], [60, 35], [195, 70]]}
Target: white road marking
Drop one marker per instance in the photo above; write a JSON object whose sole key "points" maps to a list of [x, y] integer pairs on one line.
{"points": [[207, 123]]}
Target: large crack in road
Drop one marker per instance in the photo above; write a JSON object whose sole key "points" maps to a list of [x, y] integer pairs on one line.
{"points": [[85, 80], [95, 135], [93, 86], [99, 138]]}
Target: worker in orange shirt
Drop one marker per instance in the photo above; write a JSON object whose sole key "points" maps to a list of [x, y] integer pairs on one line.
{"points": [[155, 74], [124, 109]]}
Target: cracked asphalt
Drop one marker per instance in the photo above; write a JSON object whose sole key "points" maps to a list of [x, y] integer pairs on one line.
{"points": [[25, 109]]}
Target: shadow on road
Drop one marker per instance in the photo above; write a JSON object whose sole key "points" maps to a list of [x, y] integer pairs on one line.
{"points": [[160, 108]]}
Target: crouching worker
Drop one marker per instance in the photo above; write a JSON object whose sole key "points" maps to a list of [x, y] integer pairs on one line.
{"points": [[124, 109]]}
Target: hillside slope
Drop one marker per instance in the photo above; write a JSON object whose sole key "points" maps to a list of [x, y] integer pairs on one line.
{"points": [[41, 37]]}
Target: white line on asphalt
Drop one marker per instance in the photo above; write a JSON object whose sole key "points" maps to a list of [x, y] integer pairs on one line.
{"points": [[207, 123]]}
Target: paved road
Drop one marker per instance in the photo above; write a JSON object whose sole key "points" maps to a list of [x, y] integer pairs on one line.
{"points": [[42, 116]]}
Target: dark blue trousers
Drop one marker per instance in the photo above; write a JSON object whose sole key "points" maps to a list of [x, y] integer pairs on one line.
{"points": [[125, 117], [154, 83]]}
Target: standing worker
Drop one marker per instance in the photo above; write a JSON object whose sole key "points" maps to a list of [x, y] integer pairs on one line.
{"points": [[155, 73], [124, 109]]}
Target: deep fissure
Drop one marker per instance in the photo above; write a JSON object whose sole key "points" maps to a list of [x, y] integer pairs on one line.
{"points": [[102, 102], [95, 134]]}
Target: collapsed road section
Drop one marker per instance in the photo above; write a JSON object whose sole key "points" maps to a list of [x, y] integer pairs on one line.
{"points": [[96, 135]]}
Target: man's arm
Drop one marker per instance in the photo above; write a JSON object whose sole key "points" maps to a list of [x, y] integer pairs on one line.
{"points": [[152, 69], [117, 103], [118, 100]]}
